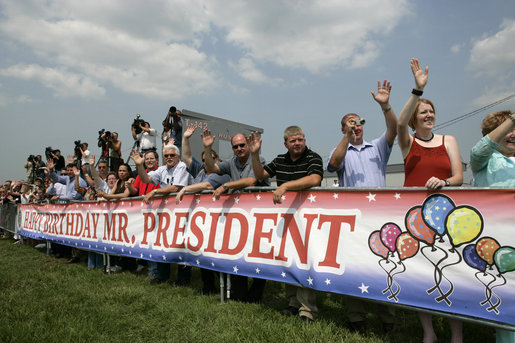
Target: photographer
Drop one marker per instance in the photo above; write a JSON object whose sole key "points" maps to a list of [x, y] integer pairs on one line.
{"points": [[172, 128], [144, 136], [111, 147], [30, 165], [85, 154]]}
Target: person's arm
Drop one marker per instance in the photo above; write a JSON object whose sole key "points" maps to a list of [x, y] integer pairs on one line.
{"points": [[139, 166], [94, 172], [76, 172], [194, 188], [134, 135], [236, 184], [340, 152], [453, 151], [403, 137], [186, 148], [383, 99], [498, 134], [124, 194], [176, 119], [162, 191], [309, 181], [254, 143], [207, 140]]}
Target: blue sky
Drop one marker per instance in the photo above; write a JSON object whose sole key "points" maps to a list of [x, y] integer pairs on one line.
{"points": [[71, 68]]}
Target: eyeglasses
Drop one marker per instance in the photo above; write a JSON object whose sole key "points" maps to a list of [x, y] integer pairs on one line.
{"points": [[102, 167], [236, 146], [170, 155]]}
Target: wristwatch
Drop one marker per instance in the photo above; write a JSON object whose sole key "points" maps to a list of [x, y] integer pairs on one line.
{"points": [[225, 186], [447, 183]]}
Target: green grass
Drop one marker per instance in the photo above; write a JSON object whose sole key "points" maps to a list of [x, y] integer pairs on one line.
{"points": [[43, 299]]}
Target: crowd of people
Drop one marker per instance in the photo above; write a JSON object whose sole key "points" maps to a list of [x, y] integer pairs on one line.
{"points": [[431, 161]]}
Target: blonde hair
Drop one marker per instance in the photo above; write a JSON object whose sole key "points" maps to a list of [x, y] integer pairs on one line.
{"points": [[292, 131]]}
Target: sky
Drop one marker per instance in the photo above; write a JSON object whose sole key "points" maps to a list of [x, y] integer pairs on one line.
{"points": [[71, 68]]}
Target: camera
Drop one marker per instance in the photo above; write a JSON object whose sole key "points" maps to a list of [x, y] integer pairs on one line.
{"points": [[136, 124], [107, 135], [361, 122], [49, 152], [172, 110], [31, 158]]}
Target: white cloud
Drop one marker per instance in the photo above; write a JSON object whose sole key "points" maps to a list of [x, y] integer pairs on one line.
{"points": [[248, 70], [161, 49], [312, 35], [494, 55], [63, 83], [456, 48]]}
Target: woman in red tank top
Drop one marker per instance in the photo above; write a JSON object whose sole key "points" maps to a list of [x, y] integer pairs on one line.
{"points": [[431, 161]]}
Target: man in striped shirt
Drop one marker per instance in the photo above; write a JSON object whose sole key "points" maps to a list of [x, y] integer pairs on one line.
{"points": [[297, 169]]}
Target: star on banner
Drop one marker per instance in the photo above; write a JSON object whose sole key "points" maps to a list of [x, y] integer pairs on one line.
{"points": [[197, 200], [335, 195], [150, 255], [164, 257], [283, 197], [180, 258], [312, 198], [371, 197], [214, 199], [123, 250], [198, 262], [212, 264], [166, 201], [364, 289], [310, 280], [258, 197], [257, 270], [397, 196], [236, 200], [235, 269], [327, 282], [283, 274]]}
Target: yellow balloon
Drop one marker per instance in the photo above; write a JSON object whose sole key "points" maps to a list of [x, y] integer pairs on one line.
{"points": [[464, 224]]}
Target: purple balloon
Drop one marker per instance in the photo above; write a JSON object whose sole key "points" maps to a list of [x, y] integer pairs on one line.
{"points": [[472, 258], [389, 234]]}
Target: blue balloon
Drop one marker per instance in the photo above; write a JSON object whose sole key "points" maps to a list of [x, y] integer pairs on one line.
{"points": [[472, 258], [435, 209]]}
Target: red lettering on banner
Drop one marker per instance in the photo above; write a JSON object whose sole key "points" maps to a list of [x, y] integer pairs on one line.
{"points": [[212, 232], [179, 228], [95, 223], [109, 227], [61, 219], [86, 227], [149, 222], [334, 236], [26, 220], [196, 231], [45, 227], [123, 221], [290, 225], [244, 232], [69, 224], [79, 224], [54, 222], [259, 234], [164, 224]]}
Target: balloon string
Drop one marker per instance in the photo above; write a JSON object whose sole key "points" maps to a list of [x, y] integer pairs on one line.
{"points": [[390, 281], [438, 276], [493, 307]]}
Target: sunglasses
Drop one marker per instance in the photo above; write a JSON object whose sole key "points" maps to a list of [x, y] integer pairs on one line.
{"points": [[170, 155], [236, 146], [102, 167]]}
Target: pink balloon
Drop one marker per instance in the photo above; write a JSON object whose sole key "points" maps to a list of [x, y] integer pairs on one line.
{"points": [[417, 227], [407, 246], [376, 246], [389, 234]]}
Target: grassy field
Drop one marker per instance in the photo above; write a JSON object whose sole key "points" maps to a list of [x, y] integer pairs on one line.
{"points": [[43, 299]]}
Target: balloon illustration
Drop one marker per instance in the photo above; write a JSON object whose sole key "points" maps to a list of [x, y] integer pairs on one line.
{"points": [[464, 224], [504, 259], [407, 246], [375, 244], [435, 209], [486, 248], [389, 233], [472, 258], [417, 227]]}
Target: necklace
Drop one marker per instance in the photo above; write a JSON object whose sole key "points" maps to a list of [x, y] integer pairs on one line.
{"points": [[425, 140]]}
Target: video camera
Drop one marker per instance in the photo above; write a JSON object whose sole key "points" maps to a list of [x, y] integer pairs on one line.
{"points": [[49, 153], [136, 124], [31, 158]]}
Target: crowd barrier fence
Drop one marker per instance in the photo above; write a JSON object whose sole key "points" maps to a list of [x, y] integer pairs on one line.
{"points": [[450, 252]]}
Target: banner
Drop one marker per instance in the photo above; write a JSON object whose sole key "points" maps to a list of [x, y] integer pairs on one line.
{"points": [[449, 251]]}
